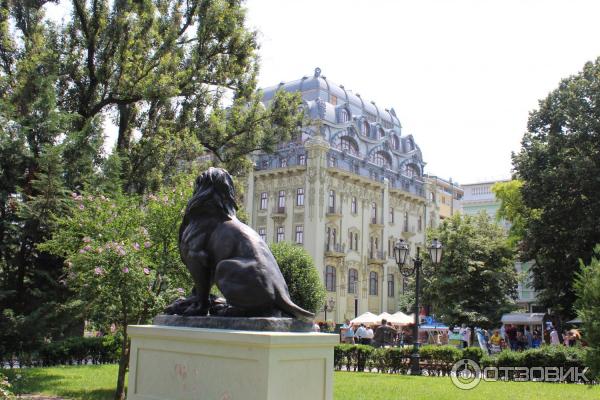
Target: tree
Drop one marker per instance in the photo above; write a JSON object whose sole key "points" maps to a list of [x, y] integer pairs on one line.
{"points": [[587, 289], [559, 165], [476, 279], [122, 257], [300, 274]]}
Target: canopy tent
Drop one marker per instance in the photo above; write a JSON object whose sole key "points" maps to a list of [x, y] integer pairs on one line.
{"points": [[399, 318], [366, 318], [384, 315], [523, 318]]}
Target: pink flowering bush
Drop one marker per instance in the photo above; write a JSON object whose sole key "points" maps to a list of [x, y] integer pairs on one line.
{"points": [[121, 254]]}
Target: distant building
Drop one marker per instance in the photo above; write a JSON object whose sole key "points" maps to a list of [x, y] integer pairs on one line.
{"points": [[346, 190], [446, 195], [479, 197]]}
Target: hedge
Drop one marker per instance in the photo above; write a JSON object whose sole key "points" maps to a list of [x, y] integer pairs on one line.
{"points": [[74, 350], [438, 360]]}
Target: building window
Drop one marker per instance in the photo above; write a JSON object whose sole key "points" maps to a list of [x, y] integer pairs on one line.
{"points": [[381, 133], [382, 159], [265, 164], [364, 128], [391, 215], [390, 284], [348, 146], [283, 162], [331, 161], [331, 202], [302, 159], [356, 241], [390, 247], [262, 233], [373, 213], [420, 223], [406, 221], [300, 197], [373, 283], [299, 234], [330, 278], [281, 201], [352, 280], [263, 200], [395, 142], [353, 207], [343, 115], [280, 234]]}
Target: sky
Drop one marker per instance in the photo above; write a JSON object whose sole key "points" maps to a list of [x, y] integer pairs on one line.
{"points": [[462, 75]]}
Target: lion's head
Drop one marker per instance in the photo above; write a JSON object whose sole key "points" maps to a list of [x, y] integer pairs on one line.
{"points": [[214, 187]]}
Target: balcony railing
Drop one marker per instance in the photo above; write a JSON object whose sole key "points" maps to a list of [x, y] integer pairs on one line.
{"points": [[335, 247], [376, 254]]}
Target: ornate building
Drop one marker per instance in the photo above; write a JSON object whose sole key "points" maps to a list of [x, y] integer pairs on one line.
{"points": [[346, 190]]}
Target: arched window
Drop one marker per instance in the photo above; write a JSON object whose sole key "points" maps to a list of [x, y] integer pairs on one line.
{"points": [[364, 128], [348, 145], [344, 115], [382, 159], [410, 171], [391, 287], [373, 281], [381, 133], [330, 278], [352, 280]]}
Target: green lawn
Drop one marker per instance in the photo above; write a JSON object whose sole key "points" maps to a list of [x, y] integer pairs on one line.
{"points": [[98, 383]]}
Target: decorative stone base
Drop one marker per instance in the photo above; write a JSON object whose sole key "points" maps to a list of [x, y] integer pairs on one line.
{"points": [[236, 323], [197, 363]]}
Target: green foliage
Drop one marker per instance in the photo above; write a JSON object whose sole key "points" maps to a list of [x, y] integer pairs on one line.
{"points": [[473, 353], [513, 209], [301, 276], [587, 288], [559, 165], [476, 278], [6, 392]]}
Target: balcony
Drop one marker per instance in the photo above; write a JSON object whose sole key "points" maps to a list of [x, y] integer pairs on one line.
{"points": [[334, 212], [335, 250], [278, 213], [375, 222], [376, 257]]}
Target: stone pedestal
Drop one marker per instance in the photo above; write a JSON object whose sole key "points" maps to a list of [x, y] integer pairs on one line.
{"points": [[198, 363]]}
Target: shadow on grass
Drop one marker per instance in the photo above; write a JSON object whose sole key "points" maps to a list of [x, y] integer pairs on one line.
{"points": [[38, 381]]}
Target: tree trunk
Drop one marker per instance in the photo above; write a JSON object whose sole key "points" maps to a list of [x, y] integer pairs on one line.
{"points": [[123, 364]]}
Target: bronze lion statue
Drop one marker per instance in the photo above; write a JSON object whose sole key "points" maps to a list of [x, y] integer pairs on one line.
{"points": [[220, 250]]}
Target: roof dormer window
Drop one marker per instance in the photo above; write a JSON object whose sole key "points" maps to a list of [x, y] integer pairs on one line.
{"points": [[344, 117], [365, 128]]}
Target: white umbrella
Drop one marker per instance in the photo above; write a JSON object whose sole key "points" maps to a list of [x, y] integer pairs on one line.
{"points": [[366, 318], [384, 315], [399, 318]]}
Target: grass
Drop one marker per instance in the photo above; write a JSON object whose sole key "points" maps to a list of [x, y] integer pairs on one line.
{"points": [[98, 383], [90, 382]]}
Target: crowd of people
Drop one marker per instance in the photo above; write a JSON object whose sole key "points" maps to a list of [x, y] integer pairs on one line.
{"points": [[516, 338], [382, 335]]}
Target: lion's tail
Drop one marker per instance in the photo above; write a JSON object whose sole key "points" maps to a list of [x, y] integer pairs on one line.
{"points": [[287, 305]]}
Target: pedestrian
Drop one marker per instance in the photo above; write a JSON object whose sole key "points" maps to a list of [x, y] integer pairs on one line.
{"points": [[465, 336], [369, 337], [384, 335], [316, 327], [349, 335], [511, 335], [360, 334], [529, 338], [554, 341]]}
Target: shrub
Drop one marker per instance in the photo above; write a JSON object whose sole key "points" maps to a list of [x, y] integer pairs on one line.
{"points": [[301, 276], [361, 354], [5, 388], [342, 356], [472, 353], [439, 359], [587, 288]]}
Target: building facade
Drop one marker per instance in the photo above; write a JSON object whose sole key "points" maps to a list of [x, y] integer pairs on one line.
{"points": [[346, 190], [446, 195], [479, 197]]}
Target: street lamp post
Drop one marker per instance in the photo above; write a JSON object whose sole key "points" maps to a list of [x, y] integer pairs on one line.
{"points": [[328, 306], [401, 250]]}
